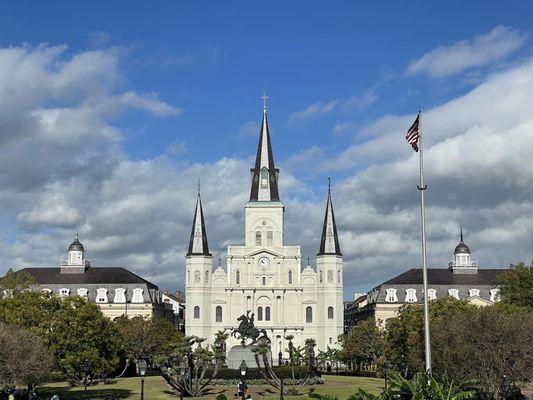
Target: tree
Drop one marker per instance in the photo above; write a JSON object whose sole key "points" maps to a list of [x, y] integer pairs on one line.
{"points": [[404, 336], [482, 346], [188, 350], [145, 337], [26, 361], [516, 285], [73, 328], [362, 344], [15, 281]]}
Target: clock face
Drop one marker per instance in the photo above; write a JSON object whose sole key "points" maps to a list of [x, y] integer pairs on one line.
{"points": [[263, 263]]}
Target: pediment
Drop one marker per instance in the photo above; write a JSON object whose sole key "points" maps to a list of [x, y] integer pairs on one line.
{"points": [[263, 251]]}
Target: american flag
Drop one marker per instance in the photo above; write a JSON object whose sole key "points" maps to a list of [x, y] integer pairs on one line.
{"points": [[413, 134]]}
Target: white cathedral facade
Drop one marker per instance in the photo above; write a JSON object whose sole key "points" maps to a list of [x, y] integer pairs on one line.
{"points": [[265, 276]]}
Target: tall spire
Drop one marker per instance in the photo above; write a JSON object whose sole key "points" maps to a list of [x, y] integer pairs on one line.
{"points": [[198, 243], [264, 174], [330, 239]]}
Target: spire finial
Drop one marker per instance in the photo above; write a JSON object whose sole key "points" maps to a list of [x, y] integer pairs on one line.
{"points": [[219, 261], [461, 234], [329, 185], [76, 236], [308, 262], [198, 187], [265, 98]]}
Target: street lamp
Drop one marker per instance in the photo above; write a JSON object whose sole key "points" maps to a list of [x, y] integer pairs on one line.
{"points": [[142, 370], [86, 372], [280, 354], [183, 370], [243, 368], [386, 367]]}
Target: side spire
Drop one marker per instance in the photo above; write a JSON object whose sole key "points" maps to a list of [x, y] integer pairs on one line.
{"points": [[330, 239], [198, 242], [264, 174]]}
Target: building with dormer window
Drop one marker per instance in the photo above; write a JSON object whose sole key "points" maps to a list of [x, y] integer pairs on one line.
{"points": [[264, 276], [462, 280], [116, 290]]}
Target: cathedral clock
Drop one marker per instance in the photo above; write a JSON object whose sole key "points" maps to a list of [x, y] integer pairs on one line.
{"points": [[263, 263]]}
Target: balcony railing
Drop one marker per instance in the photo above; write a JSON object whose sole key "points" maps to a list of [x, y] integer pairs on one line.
{"points": [[64, 263], [455, 264]]}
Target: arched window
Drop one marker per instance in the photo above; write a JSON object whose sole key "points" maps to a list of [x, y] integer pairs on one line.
{"points": [[196, 312], [206, 280], [259, 313], [197, 277], [267, 313], [188, 276], [218, 314], [264, 178], [238, 277], [290, 277], [473, 292], [137, 296], [330, 340], [270, 238], [309, 314], [410, 296], [432, 294], [320, 277], [454, 293], [120, 296], [330, 312], [339, 276], [330, 276], [264, 280], [258, 238], [391, 297]]}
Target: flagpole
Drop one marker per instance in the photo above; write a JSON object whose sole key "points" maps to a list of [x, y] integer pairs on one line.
{"points": [[422, 187]]}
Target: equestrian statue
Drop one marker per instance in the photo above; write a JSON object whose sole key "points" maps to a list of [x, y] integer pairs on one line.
{"points": [[247, 330]]}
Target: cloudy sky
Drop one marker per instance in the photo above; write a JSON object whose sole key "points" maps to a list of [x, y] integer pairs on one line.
{"points": [[110, 113]]}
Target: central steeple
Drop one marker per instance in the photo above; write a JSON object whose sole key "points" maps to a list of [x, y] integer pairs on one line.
{"points": [[265, 174], [198, 242], [330, 239]]}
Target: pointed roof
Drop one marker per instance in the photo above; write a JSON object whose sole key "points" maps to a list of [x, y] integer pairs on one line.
{"points": [[330, 239], [461, 247], [198, 242], [264, 190]]}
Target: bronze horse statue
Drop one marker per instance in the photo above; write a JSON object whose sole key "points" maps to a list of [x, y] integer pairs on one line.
{"points": [[246, 329]]}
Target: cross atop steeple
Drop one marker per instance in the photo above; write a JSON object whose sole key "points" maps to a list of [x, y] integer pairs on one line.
{"points": [[265, 98]]}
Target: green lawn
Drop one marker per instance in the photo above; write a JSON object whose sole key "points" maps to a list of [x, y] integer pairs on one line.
{"points": [[156, 389]]}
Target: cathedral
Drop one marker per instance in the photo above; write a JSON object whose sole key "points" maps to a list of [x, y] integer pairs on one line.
{"points": [[264, 276]]}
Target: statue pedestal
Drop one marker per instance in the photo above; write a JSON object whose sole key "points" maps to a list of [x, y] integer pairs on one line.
{"points": [[237, 354]]}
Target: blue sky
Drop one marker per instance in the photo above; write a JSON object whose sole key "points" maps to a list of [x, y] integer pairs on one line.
{"points": [[184, 81]]}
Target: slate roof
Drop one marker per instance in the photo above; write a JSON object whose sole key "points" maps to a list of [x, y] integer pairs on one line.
{"points": [[444, 276], [198, 225], [329, 220], [264, 154], [93, 275]]}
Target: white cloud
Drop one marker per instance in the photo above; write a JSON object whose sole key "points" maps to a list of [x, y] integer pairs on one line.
{"points": [[314, 111], [137, 213], [466, 54]]}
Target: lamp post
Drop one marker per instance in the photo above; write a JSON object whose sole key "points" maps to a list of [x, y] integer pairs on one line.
{"points": [[386, 367], [142, 371], [280, 355], [183, 371], [85, 372], [243, 368]]}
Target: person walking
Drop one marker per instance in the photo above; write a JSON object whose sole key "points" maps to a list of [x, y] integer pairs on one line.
{"points": [[241, 390]]}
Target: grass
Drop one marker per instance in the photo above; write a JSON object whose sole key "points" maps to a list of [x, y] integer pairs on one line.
{"points": [[155, 388]]}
